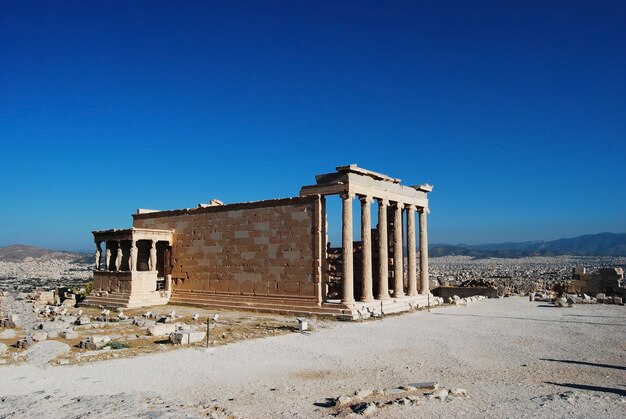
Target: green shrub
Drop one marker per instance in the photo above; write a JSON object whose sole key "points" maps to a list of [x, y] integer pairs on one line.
{"points": [[80, 296], [116, 345]]}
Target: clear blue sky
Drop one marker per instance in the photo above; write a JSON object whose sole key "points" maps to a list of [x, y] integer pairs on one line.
{"points": [[514, 110]]}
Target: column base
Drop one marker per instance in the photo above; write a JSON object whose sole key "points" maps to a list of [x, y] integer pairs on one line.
{"points": [[360, 310]]}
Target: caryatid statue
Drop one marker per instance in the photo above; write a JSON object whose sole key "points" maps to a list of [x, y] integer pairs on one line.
{"points": [[153, 257], [132, 258], [107, 258], [118, 257], [98, 255]]}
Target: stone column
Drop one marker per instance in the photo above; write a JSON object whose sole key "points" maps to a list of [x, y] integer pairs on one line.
{"points": [[132, 258], [398, 289], [107, 256], [424, 284], [383, 266], [411, 256], [346, 243], [367, 293]]}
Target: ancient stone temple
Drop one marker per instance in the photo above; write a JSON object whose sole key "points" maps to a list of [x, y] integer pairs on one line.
{"points": [[274, 255]]}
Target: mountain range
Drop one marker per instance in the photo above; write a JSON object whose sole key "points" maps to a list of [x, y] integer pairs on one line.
{"points": [[602, 244]]}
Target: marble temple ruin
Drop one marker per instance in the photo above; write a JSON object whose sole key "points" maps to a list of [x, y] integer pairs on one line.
{"points": [[274, 255]]}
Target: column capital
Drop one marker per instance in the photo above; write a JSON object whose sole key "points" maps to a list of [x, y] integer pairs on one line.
{"points": [[366, 199], [424, 210], [410, 207], [397, 204], [347, 195], [383, 201]]}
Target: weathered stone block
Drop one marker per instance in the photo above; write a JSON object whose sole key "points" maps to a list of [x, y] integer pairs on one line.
{"points": [[187, 337], [161, 329], [69, 334]]}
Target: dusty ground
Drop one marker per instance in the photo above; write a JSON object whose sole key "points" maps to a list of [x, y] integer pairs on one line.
{"points": [[515, 359], [231, 326]]}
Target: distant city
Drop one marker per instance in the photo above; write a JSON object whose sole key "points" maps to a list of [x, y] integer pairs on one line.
{"points": [[513, 267]]}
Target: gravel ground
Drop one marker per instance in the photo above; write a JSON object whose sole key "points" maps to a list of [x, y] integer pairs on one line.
{"points": [[515, 358]]}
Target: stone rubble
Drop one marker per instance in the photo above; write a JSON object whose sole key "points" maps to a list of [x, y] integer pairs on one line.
{"points": [[367, 402]]}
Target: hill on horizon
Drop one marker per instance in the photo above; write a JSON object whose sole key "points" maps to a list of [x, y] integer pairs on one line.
{"points": [[21, 252], [601, 244]]}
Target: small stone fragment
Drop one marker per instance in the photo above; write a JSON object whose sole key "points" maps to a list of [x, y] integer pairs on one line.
{"points": [[459, 392], [427, 385], [362, 394], [343, 401], [439, 394]]}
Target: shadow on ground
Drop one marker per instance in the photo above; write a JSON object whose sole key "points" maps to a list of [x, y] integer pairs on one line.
{"points": [[617, 391], [591, 364]]}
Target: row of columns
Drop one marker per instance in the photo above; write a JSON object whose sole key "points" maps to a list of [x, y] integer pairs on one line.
{"points": [[366, 238], [115, 265]]}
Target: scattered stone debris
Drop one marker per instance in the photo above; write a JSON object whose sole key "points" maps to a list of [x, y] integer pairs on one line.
{"points": [[83, 320], [94, 342], [367, 402], [570, 300], [6, 323], [457, 301], [24, 343]]}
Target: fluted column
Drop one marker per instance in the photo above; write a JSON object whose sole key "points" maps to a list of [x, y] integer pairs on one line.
{"points": [[383, 266], [410, 254], [398, 289], [424, 284], [346, 244], [367, 293]]}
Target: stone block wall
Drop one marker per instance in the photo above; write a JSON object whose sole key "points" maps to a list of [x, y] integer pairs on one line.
{"points": [[267, 248], [119, 282]]}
